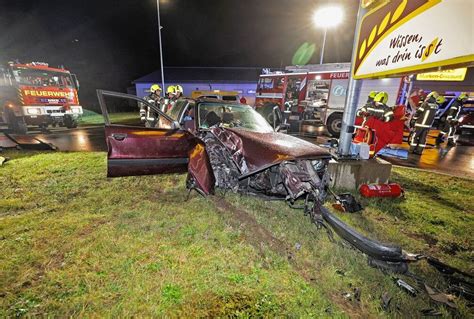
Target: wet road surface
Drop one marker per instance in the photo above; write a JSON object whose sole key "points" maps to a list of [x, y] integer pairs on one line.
{"points": [[457, 161], [87, 139]]}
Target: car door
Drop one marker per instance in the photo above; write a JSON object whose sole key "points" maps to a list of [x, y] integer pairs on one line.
{"points": [[134, 149]]}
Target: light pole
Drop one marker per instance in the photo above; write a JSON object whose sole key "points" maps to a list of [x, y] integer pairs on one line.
{"points": [[327, 17], [161, 48]]}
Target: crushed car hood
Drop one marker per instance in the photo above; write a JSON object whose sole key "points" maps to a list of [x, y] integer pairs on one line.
{"points": [[253, 151]]}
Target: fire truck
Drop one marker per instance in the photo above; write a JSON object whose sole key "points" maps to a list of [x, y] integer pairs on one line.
{"points": [[37, 94], [313, 96]]}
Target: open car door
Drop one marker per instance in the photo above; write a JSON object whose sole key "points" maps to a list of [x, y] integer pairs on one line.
{"points": [[134, 149]]}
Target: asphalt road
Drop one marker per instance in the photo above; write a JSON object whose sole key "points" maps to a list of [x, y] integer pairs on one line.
{"points": [[457, 161]]}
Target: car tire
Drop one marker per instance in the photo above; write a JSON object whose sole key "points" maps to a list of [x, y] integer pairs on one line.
{"points": [[334, 124], [16, 123], [69, 122]]}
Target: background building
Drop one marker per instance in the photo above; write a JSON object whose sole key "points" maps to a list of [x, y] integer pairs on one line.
{"points": [[240, 79]]}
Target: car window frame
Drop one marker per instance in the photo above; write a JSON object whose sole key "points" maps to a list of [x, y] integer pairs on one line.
{"points": [[105, 113]]}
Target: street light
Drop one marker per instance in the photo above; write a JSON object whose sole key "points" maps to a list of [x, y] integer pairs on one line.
{"points": [[327, 17], [161, 48]]}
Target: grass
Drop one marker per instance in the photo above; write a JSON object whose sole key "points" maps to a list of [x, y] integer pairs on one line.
{"points": [[75, 243], [93, 118]]}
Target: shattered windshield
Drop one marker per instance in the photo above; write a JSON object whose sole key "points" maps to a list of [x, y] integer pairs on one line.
{"points": [[42, 78], [232, 115]]}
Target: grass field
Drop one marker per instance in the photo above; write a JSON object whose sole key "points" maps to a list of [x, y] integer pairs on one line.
{"points": [[93, 118], [74, 243]]}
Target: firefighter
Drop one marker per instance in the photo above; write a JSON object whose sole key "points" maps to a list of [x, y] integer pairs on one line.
{"points": [[415, 100], [379, 107], [147, 115], [422, 121], [170, 98], [179, 91], [362, 112], [450, 125]]}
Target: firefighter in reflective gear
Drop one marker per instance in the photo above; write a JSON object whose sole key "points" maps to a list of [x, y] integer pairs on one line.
{"points": [[148, 115], [422, 121], [362, 112], [450, 125], [170, 98], [379, 107], [179, 91]]}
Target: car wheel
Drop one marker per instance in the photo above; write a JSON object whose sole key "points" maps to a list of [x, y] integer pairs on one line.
{"points": [[16, 123], [334, 124], [70, 122]]}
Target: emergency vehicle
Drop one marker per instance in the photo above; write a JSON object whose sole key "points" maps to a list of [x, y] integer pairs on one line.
{"points": [[216, 94], [37, 94], [314, 95]]}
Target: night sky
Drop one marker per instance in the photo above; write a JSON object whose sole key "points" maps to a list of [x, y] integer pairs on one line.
{"points": [[109, 43]]}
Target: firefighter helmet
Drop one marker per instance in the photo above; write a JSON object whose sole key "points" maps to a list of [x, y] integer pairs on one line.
{"points": [[171, 89], [433, 95], [440, 99], [154, 88], [381, 97], [179, 88], [372, 94], [463, 96]]}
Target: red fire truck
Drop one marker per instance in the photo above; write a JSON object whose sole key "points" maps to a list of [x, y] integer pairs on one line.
{"points": [[314, 95], [37, 94]]}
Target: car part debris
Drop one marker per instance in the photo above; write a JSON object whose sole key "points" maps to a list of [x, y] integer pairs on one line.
{"points": [[347, 203], [461, 288], [3, 160], [387, 266], [370, 247], [386, 300], [440, 297], [431, 312], [405, 286], [446, 269]]}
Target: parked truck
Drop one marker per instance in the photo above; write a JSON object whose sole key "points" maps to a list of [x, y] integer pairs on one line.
{"points": [[37, 94], [314, 95]]}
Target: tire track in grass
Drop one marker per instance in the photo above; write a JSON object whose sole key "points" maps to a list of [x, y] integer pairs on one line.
{"points": [[260, 238]]}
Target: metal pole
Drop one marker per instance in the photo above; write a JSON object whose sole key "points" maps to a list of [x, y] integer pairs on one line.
{"points": [[352, 99], [161, 48], [324, 44]]}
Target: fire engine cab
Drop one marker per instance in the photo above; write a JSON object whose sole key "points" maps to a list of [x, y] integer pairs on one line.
{"points": [[313, 96], [37, 94]]}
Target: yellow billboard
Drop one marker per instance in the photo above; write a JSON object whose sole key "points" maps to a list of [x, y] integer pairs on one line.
{"points": [[445, 75], [400, 37]]}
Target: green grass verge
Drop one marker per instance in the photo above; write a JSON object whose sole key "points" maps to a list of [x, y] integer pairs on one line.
{"points": [[75, 243], [93, 118]]}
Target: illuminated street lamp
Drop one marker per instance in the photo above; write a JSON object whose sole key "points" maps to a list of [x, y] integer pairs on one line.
{"points": [[327, 17]]}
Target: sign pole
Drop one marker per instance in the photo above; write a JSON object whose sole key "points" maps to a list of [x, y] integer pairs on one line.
{"points": [[352, 99], [161, 48]]}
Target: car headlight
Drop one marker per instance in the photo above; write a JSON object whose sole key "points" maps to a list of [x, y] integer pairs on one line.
{"points": [[33, 111], [461, 119], [76, 110]]}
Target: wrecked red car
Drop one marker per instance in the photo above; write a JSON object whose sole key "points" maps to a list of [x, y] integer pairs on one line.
{"points": [[220, 144], [229, 146]]}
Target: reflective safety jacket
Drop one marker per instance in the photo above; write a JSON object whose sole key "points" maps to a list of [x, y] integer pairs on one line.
{"points": [[454, 110], [425, 115], [381, 111], [154, 99]]}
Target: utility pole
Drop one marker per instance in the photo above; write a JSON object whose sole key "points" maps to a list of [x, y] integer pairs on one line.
{"points": [[324, 44]]}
